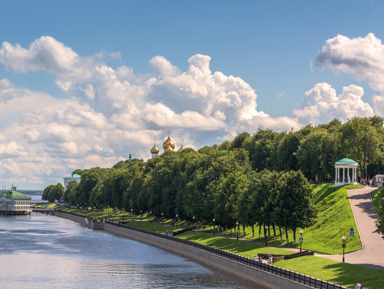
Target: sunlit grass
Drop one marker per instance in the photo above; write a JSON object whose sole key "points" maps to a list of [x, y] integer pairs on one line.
{"points": [[337, 272]]}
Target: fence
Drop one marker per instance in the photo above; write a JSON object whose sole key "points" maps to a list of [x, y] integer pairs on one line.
{"points": [[284, 273]]}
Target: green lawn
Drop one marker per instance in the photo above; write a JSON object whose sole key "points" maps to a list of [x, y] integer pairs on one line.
{"points": [[376, 196], [153, 227], [334, 219], [337, 272], [244, 248]]}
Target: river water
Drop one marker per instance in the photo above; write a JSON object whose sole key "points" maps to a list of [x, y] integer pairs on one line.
{"points": [[44, 251]]}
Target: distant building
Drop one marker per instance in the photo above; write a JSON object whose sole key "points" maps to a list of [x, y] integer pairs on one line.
{"points": [[168, 145], [345, 172], [72, 178], [15, 203], [155, 151], [129, 159]]}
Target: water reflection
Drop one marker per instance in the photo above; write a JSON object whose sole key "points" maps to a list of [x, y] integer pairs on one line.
{"points": [[43, 251]]}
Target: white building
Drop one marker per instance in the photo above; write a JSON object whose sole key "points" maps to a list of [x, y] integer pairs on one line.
{"points": [[345, 172], [72, 178], [15, 203]]}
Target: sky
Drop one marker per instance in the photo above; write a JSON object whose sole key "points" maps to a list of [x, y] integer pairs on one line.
{"points": [[84, 83]]}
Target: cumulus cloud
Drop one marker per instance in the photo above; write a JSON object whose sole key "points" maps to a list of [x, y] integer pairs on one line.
{"points": [[320, 104], [362, 57], [111, 111]]}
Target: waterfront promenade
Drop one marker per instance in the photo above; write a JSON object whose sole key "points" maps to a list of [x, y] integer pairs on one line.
{"points": [[372, 253]]}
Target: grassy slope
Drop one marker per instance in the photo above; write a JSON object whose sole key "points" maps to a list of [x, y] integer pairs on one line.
{"points": [[243, 248], [334, 219], [376, 196], [336, 272]]}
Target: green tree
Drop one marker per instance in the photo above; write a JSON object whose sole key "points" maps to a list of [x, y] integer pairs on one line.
{"points": [[293, 204], [53, 192], [360, 141]]}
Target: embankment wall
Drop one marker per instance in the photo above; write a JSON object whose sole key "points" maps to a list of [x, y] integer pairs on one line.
{"points": [[245, 273]]}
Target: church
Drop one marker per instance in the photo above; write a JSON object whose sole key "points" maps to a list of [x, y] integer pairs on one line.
{"points": [[168, 145]]}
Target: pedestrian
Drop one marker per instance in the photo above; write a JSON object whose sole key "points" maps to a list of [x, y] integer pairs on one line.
{"points": [[358, 286]]}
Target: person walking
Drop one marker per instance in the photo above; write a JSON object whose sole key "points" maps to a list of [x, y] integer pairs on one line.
{"points": [[358, 286]]}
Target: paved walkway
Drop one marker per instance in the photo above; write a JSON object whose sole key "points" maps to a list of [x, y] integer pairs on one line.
{"points": [[372, 253]]}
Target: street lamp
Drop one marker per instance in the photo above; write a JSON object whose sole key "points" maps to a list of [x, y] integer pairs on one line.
{"points": [[265, 235], [214, 230], [141, 215], [301, 238], [237, 230], [193, 226], [343, 245], [177, 217]]}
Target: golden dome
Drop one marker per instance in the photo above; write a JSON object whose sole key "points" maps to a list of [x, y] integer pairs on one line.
{"points": [[169, 145], [155, 150]]}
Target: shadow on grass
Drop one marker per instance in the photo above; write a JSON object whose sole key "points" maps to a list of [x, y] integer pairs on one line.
{"points": [[349, 274], [324, 192], [244, 248]]}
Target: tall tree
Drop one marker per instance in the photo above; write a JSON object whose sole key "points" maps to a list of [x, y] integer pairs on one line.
{"points": [[293, 206]]}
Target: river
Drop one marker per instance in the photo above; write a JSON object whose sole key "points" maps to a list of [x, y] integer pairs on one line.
{"points": [[44, 251]]}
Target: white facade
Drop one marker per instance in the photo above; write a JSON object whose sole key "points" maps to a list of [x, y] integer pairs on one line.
{"points": [[15, 205], [15, 202], [72, 178], [379, 180]]}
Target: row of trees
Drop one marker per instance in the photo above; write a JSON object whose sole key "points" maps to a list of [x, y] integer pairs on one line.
{"points": [[201, 186], [53, 192], [246, 180], [315, 149]]}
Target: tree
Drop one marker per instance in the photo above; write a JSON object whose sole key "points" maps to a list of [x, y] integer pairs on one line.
{"points": [[360, 140], [287, 152], [317, 154], [78, 172], [293, 205], [53, 192]]}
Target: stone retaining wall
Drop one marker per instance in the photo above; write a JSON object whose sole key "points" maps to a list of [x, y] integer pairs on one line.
{"points": [[235, 269], [232, 268]]}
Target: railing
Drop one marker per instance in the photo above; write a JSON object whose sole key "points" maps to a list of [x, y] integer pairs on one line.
{"points": [[284, 273], [288, 274]]}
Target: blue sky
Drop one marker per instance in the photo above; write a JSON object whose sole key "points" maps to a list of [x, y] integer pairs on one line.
{"points": [[141, 68]]}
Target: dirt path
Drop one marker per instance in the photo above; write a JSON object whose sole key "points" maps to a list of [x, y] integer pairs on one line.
{"points": [[372, 253]]}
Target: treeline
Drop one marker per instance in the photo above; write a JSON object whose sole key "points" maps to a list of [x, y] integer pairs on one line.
{"points": [[315, 149], [200, 186], [53, 192], [259, 179]]}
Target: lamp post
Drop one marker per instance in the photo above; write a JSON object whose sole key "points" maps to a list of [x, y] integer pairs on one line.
{"points": [[150, 218], [266, 237], [141, 215], [301, 238], [343, 245], [237, 230], [131, 213], [214, 230], [177, 217], [193, 225]]}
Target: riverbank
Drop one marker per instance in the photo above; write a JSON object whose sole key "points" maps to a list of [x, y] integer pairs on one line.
{"points": [[236, 269]]}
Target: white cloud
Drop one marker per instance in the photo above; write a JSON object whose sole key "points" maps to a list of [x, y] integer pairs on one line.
{"points": [[321, 104], [111, 111], [362, 57]]}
